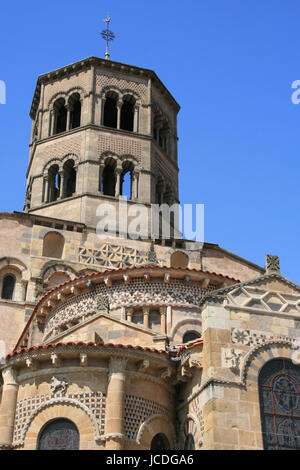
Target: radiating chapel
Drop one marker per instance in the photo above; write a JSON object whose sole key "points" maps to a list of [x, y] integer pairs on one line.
{"points": [[119, 343]]}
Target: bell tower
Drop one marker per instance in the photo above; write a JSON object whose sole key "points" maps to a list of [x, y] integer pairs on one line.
{"points": [[95, 124]]}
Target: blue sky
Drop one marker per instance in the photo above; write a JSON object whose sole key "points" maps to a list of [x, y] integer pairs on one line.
{"points": [[229, 63]]}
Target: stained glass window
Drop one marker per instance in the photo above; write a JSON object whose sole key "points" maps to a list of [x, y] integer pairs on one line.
{"points": [[279, 391], [60, 434]]}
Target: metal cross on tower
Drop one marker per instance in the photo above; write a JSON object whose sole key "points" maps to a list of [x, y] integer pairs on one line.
{"points": [[107, 35]]}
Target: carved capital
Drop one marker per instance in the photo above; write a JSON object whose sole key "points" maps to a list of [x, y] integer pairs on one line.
{"points": [[117, 364]]}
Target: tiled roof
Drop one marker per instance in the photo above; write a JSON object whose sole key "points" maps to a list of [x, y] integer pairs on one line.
{"points": [[114, 271], [82, 343]]}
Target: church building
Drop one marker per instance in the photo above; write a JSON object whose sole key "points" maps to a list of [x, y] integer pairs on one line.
{"points": [[115, 343]]}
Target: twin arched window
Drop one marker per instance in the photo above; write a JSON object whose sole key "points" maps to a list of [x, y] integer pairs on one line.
{"points": [[279, 393], [115, 181], [66, 116], [61, 184], [119, 114]]}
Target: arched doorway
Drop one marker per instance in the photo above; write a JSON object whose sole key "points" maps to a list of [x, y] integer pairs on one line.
{"points": [[160, 442], [59, 434]]}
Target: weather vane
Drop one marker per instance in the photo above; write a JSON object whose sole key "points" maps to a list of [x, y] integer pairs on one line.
{"points": [[107, 35]]}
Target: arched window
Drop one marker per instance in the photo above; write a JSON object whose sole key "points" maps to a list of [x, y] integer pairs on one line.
{"points": [[60, 116], [189, 443], [59, 434], [279, 394], [109, 178], [190, 336], [75, 110], [53, 183], [110, 110], [160, 442], [53, 245], [127, 113], [126, 180], [69, 179], [8, 287]]}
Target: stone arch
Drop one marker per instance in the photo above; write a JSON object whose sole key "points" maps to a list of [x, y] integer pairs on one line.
{"points": [[155, 425], [184, 326], [130, 158], [54, 161], [65, 95], [17, 264], [76, 89], [67, 408], [52, 267], [110, 88], [259, 355], [120, 92], [56, 96], [70, 156], [55, 428], [190, 426], [128, 91], [106, 155]]}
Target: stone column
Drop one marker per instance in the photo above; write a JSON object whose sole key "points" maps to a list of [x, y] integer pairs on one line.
{"points": [[45, 189], [101, 169], [8, 406], [62, 184], [69, 111], [169, 319], [135, 179], [146, 316], [53, 122], [129, 314], [163, 323], [136, 119], [119, 107], [118, 172], [115, 404], [102, 111]]}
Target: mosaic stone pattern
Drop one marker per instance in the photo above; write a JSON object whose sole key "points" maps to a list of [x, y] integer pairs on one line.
{"points": [[137, 411], [95, 401], [112, 256], [109, 80], [255, 338], [137, 293], [119, 146]]}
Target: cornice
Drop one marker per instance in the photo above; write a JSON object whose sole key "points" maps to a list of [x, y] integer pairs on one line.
{"points": [[86, 64]]}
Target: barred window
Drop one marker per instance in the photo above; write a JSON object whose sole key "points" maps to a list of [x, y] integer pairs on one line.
{"points": [[279, 389]]}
